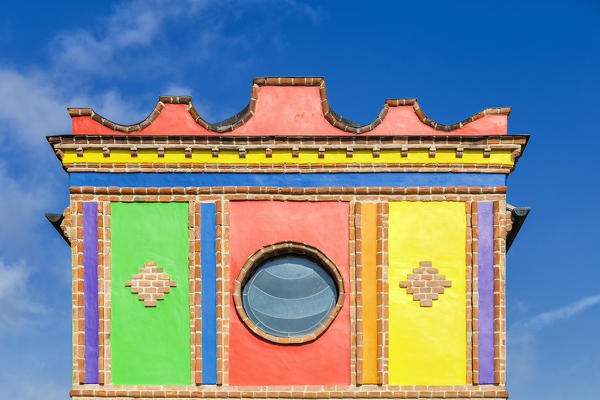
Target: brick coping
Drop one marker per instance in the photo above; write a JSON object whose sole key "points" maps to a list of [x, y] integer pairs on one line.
{"points": [[307, 140], [300, 392], [275, 190]]}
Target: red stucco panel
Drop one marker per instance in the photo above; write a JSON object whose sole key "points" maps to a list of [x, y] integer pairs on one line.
{"points": [[255, 361]]}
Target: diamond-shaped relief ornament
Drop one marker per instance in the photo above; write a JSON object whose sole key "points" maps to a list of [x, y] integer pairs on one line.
{"points": [[425, 284], [150, 284]]}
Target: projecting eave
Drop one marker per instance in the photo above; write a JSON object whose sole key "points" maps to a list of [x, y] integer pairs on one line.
{"points": [[60, 224], [517, 218]]}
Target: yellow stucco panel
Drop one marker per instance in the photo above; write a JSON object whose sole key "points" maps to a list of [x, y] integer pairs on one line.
{"points": [[427, 345]]}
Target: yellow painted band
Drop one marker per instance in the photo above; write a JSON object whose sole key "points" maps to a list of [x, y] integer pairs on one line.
{"points": [[368, 241], [284, 156], [427, 345]]}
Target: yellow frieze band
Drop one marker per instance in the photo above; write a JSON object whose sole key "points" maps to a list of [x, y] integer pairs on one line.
{"points": [[288, 156]]}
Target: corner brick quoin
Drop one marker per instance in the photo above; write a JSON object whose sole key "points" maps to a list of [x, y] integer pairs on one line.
{"points": [[150, 284], [425, 284]]}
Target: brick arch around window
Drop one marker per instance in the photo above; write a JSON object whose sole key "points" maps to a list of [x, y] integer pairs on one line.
{"points": [[284, 248]]}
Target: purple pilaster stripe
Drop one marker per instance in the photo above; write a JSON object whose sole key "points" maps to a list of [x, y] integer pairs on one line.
{"points": [[90, 289], [485, 243]]}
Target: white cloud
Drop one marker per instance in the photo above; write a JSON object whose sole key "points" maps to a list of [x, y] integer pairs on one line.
{"points": [[174, 89], [132, 36], [16, 305], [523, 336], [113, 106], [20, 203], [36, 98], [34, 107], [130, 25], [38, 107], [539, 321], [39, 389], [29, 172], [32, 382], [314, 13]]}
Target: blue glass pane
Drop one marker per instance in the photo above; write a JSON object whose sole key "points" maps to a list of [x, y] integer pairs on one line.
{"points": [[289, 296]]}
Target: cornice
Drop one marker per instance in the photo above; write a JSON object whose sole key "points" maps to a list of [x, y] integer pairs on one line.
{"points": [[489, 154]]}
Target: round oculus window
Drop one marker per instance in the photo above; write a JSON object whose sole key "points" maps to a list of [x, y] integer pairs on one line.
{"points": [[288, 292]]}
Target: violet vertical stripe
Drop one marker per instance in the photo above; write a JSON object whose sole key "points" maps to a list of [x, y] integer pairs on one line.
{"points": [[90, 290], [208, 259], [485, 243]]}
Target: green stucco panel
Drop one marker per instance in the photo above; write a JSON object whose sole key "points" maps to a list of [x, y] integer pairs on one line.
{"points": [[150, 345]]}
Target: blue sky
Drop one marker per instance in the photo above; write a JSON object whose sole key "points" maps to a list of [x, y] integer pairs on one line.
{"points": [[541, 58]]}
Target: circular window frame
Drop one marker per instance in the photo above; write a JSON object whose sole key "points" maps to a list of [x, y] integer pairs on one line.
{"points": [[271, 251]]}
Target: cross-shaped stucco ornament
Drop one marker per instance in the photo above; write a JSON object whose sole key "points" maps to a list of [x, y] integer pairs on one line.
{"points": [[425, 284], [150, 284]]}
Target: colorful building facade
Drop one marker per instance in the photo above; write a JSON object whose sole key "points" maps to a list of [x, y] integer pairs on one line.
{"points": [[288, 252]]}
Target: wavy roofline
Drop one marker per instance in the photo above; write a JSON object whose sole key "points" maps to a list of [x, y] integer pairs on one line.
{"points": [[247, 112]]}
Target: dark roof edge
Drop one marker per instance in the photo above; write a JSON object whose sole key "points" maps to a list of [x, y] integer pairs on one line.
{"points": [[56, 220], [518, 216]]}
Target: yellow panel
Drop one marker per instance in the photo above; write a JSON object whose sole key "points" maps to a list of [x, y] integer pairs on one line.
{"points": [[368, 223], [306, 156], [427, 345]]}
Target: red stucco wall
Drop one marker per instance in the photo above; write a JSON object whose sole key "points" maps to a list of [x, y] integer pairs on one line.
{"points": [[255, 361]]}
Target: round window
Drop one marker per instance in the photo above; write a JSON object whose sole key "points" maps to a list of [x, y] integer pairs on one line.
{"points": [[288, 292]]}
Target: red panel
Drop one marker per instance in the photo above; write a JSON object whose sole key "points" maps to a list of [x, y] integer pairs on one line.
{"points": [[255, 361]]}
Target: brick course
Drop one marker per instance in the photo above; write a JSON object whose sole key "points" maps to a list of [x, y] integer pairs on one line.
{"points": [[382, 294], [352, 268], [295, 392], [195, 292], [471, 290], [76, 236]]}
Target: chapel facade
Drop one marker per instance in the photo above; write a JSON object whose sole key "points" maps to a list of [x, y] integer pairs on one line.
{"points": [[287, 251]]}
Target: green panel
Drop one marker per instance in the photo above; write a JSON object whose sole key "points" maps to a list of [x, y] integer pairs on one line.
{"points": [[150, 345]]}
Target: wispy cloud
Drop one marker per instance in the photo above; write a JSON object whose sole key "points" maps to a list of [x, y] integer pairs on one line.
{"points": [[29, 172], [133, 37], [129, 45], [20, 203], [314, 13], [36, 107], [16, 305], [112, 105], [130, 27], [542, 320], [174, 89], [523, 336], [31, 382]]}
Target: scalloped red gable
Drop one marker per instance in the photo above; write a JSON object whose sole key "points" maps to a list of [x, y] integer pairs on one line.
{"points": [[289, 106]]}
